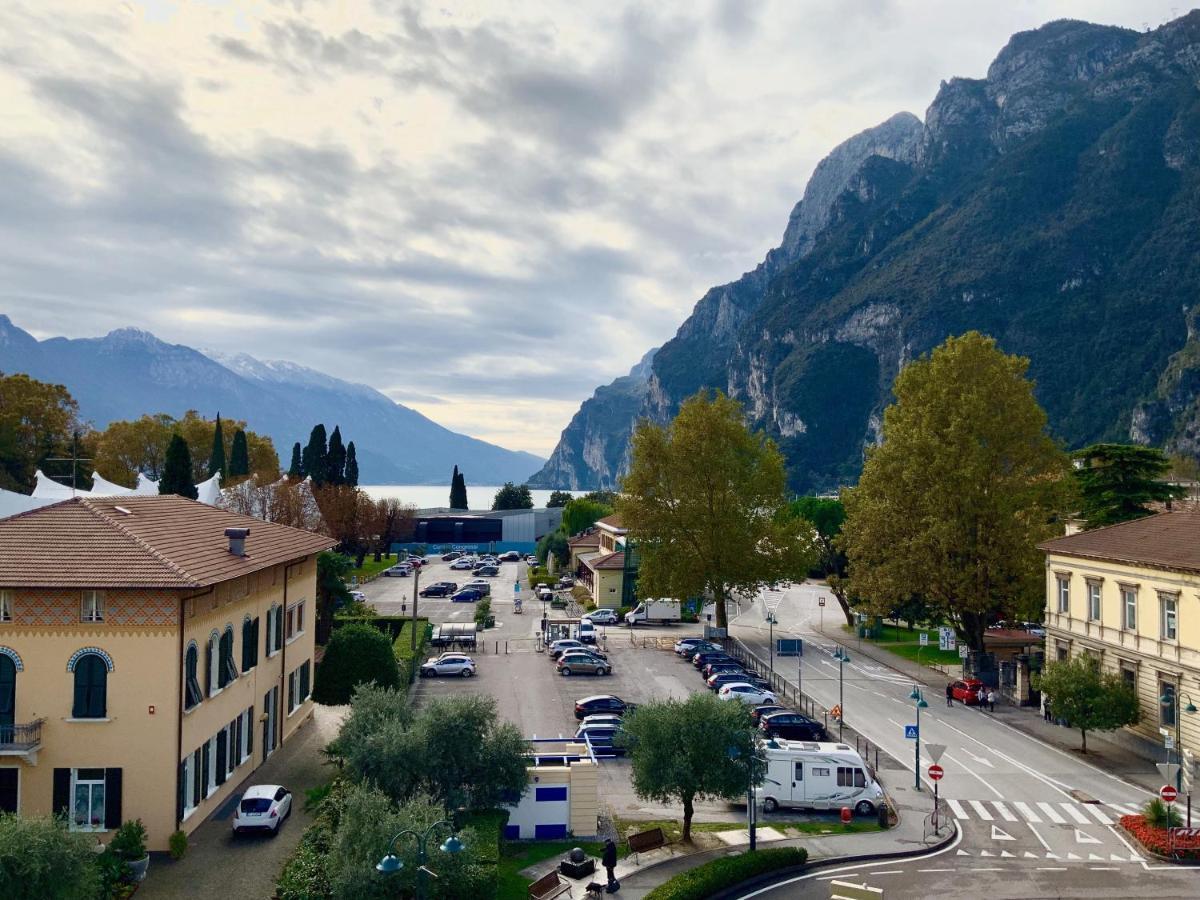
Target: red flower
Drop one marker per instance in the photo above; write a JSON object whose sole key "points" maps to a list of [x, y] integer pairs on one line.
{"points": [[1156, 839]]}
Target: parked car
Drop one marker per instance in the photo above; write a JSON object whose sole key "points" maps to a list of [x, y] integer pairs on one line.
{"points": [[825, 776], [602, 617], [462, 565], [792, 726], [483, 587], [566, 581], [576, 662], [967, 691], [451, 556], [602, 738], [438, 589], [559, 647], [691, 646], [603, 719], [713, 668], [487, 571], [262, 808], [766, 709], [358, 597], [720, 679], [587, 631], [746, 693], [704, 657], [398, 571], [449, 664], [531, 559], [601, 703], [510, 556], [415, 561], [466, 595], [757, 681]]}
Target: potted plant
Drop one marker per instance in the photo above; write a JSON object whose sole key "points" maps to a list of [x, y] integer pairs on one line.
{"points": [[129, 844]]}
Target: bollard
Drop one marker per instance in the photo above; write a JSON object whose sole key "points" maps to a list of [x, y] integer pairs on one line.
{"points": [[884, 818], [846, 814]]}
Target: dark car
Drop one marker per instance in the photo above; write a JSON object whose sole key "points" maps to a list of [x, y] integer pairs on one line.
{"points": [[451, 556], [467, 595], [487, 571], [757, 681], [766, 709], [715, 667], [689, 647], [791, 726], [441, 589], [605, 739], [702, 659], [601, 703], [718, 681]]}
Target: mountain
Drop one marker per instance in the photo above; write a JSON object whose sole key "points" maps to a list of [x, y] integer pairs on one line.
{"points": [[129, 372], [1053, 204]]}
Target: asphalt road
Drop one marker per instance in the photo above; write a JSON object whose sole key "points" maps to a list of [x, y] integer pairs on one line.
{"points": [[1035, 820]]}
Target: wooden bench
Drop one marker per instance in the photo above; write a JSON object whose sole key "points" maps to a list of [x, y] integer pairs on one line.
{"points": [[549, 885], [646, 840]]}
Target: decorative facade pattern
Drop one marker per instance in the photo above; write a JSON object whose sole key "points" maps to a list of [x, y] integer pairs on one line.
{"points": [[84, 651], [58, 607], [14, 656]]}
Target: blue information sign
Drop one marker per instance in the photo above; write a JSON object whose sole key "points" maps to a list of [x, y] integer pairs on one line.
{"points": [[910, 732], [789, 647]]}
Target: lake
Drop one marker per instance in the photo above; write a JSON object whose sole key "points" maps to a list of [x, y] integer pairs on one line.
{"points": [[426, 496]]}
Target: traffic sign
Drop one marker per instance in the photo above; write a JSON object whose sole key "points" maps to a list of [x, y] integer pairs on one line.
{"points": [[1169, 771], [516, 587], [910, 732], [936, 772], [924, 639], [962, 651], [1168, 793], [946, 638], [935, 751], [820, 601]]}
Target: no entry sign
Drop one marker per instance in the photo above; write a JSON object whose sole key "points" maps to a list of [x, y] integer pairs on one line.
{"points": [[1168, 793], [936, 772]]}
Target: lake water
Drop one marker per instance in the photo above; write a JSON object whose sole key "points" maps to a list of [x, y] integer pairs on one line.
{"points": [[426, 496]]}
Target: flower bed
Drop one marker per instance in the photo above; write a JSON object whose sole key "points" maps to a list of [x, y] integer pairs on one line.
{"points": [[1155, 839]]}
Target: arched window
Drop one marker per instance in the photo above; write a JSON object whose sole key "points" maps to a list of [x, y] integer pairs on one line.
{"points": [[229, 670], [91, 687], [192, 693]]}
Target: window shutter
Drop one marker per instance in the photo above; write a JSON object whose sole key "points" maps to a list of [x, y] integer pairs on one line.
{"points": [[208, 666], [222, 747], [62, 792], [204, 770], [112, 798], [246, 635], [250, 732], [180, 789], [291, 692], [278, 628], [80, 707], [97, 687], [254, 641], [304, 682]]}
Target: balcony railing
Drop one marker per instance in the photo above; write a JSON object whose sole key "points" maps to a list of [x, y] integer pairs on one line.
{"points": [[21, 738]]}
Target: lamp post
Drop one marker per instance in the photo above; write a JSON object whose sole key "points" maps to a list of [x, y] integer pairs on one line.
{"points": [[391, 864], [771, 648], [1168, 700], [751, 812], [921, 704], [412, 664], [842, 657]]}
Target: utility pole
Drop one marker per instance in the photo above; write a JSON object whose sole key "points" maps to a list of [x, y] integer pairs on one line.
{"points": [[412, 663]]}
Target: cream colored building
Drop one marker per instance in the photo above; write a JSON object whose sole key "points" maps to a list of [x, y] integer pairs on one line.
{"points": [[1129, 595], [601, 566], [153, 652]]}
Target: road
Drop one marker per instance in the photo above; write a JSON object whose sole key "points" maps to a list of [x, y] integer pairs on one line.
{"points": [[1035, 820]]}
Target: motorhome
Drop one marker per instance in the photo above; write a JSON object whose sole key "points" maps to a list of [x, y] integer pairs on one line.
{"points": [[817, 776]]}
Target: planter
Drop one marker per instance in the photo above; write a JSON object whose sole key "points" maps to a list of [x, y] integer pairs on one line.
{"points": [[138, 867]]}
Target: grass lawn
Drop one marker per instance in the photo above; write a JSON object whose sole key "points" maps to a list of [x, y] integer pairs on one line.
{"points": [[517, 855], [905, 643], [370, 567]]}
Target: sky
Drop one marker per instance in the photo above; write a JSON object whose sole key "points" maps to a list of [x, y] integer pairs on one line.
{"points": [[482, 209]]}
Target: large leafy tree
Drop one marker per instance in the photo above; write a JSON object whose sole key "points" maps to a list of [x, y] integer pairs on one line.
{"points": [[1089, 699], [1118, 482], [37, 420], [356, 654], [951, 506], [512, 496], [332, 570], [177, 470], [558, 498], [827, 515], [688, 750], [458, 490], [581, 514], [553, 543], [126, 448], [216, 459], [40, 858], [705, 501]]}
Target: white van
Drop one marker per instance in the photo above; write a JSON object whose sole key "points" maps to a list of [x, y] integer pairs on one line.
{"points": [[817, 776], [587, 631]]}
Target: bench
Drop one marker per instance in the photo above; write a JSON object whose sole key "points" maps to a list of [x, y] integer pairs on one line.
{"points": [[549, 885], [646, 840]]}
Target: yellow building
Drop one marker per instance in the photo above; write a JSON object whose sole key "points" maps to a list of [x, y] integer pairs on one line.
{"points": [[153, 652], [1129, 595], [602, 567]]}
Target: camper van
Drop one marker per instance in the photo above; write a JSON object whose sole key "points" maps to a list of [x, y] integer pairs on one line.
{"points": [[817, 776]]}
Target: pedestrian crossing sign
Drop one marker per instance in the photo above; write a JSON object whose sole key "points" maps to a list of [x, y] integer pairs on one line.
{"points": [[910, 732]]}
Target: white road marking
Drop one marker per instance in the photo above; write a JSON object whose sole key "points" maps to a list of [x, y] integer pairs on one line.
{"points": [[1104, 868], [1004, 811], [1037, 834], [1001, 835], [956, 808], [1051, 813], [981, 810], [1099, 814], [979, 759], [887, 872], [1029, 855], [1006, 855], [1074, 813], [1082, 837], [1052, 868], [935, 870], [1027, 812], [987, 784]]}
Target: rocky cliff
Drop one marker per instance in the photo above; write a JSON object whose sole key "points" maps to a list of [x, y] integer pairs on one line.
{"points": [[1053, 204]]}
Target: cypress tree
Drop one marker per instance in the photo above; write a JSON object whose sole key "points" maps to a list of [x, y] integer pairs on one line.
{"points": [[315, 456], [458, 490], [177, 470], [239, 457], [216, 461], [351, 465], [296, 469], [335, 472]]}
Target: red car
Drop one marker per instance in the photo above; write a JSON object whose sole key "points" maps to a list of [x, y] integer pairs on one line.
{"points": [[967, 691]]}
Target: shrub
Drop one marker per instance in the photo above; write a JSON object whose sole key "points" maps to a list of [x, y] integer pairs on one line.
{"points": [[305, 875], [483, 609], [389, 625], [726, 872], [115, 874], [178, 844], [1161, 815], [356, 609], [402, 646], [1156, 839], [40, 858], [129, 841], [357, 654]]}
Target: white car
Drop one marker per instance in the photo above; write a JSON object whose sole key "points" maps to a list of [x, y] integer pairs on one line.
{"points": [[262, 808], [462, 565], [602, 719], [449, 664], [602, 617], [747, 693], [400, 571], [358, 596]]}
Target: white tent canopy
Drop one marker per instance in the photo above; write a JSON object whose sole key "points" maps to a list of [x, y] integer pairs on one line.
{"points": [[146, 485], [49, 489], [102, 487], [12, 503], [209, 491]]}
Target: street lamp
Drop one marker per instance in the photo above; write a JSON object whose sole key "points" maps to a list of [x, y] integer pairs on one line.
{"points": [[391, 864], [921, 704], [842, 657], [1168, 700], [771, 621]]}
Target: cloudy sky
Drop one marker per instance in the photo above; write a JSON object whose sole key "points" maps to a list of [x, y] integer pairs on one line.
{"points": [[483, 209]]}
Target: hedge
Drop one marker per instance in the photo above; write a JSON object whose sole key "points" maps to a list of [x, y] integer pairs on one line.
{"points": [[389, 625], [402, 646], [712, 877]]}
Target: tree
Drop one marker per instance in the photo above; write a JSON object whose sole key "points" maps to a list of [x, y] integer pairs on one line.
{"points": [[335, 458], [356, 654], [1118, 482], [332, 569], [607, 498], [458, 490], [1087, 698], [392, 522], [952, 505], [558, 498], [177, 470], [296, 468], [688, 750], [827, 516], [216, 459], [126, 448], [348, 515], [239, 458], [511, 496], [351, 477], [704, 500], [37, 420], [553, 543], [580, 514], [314, 459], [40, 858]]}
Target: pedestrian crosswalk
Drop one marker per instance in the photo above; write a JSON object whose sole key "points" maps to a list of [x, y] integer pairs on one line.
{"points": [[1039, 812]]}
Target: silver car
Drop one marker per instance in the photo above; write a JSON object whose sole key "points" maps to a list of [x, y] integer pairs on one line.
{"points": [[581, 662], [449, 664]]}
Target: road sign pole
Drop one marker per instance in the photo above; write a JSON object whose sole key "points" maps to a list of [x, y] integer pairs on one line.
{"points": [[935, 806], [917, 744]]}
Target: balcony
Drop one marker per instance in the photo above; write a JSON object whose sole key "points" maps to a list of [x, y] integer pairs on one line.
{"points": [[22, 739]]}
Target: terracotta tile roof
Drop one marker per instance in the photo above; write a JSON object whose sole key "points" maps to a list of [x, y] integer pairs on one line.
{"points": [[613, 521], [584, 540], [130, 541], [607, 561], [1167, 540]]}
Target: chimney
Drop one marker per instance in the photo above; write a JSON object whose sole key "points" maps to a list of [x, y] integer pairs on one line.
{"points": [[237, 540]]}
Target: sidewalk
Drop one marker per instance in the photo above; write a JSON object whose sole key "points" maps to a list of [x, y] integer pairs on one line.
{"points": [[1103, 751]]}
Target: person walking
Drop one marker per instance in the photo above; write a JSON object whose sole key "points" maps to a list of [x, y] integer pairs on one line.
{"points": [[991, 698], [981, 698], [949, 693], [609, 861]]}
